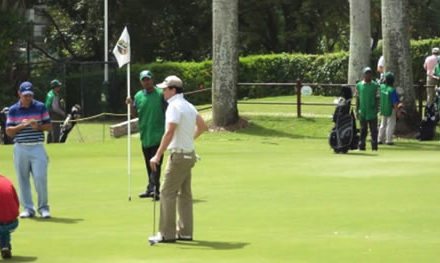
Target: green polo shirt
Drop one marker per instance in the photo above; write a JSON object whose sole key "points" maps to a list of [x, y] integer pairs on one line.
{"points": [[49, 99], [386, 105], [150, 111], [367, 93]]}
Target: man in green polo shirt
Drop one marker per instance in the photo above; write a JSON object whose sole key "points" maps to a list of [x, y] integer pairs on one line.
{"points": [[389, 101], [367, 92], [149, 105], [55, 105]]}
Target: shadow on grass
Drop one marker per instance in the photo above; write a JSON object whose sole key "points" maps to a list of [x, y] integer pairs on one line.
{"points": [[432, 146], [358, 153], [21, 259], [258, 130], [217, 245], [195, 201], [59, 220]]}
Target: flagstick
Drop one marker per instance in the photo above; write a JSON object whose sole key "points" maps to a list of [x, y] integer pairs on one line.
{"points": [[129, 133], [122, 54]]}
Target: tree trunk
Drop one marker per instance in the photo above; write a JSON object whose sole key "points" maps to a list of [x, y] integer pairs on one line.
{"points": [[360, 39], [396, 51], [225, 62]]}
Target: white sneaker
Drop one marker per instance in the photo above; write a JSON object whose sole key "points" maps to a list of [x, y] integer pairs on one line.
{"points": [[45, 214], [26, 214], [159, 239]]}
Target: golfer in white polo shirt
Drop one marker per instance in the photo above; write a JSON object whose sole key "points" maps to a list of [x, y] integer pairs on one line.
{"points": [[182, 125]]}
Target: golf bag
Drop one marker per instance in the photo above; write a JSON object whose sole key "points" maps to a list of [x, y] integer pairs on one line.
{"points": [[69, 122], [429, 122], [344, 135], [4, 139]]}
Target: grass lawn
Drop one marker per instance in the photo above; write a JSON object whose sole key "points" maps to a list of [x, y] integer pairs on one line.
{"points": [[273, 192]]}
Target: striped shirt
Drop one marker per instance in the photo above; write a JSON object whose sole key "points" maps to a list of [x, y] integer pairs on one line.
{"points": [[17, 114]]}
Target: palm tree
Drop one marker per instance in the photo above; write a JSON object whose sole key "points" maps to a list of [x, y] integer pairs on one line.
{"points": [[396, 50], [360, 38], [225, 62]]}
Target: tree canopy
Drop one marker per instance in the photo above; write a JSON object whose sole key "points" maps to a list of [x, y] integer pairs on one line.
{"points": [[182, 29]]}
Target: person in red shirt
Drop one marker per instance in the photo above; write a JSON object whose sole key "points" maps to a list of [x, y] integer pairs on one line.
{"points": [[8, 215]]}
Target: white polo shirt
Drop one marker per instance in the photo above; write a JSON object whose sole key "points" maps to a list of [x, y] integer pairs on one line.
{"points": [[184, 114]]}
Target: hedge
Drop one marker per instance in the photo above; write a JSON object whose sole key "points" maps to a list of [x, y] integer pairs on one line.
{"points": [[285, 67]]}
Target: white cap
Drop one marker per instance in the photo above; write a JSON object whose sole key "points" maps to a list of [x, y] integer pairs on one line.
{"points": [[171, 81], [435, 50]]}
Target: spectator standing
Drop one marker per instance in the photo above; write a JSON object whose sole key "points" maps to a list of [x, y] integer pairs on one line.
{"points": [[389, 100], [367, 91], [26, 122], [54, 104], [431, 81], [381, 67]]}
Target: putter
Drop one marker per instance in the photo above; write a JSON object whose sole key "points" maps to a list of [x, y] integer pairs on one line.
{"points": [[154, 242]]}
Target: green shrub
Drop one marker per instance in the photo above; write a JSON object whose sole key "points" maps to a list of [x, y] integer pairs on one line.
{"points": [[282, 68]]}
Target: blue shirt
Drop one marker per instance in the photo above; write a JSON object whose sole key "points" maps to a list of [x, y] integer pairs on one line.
{"points": [[17, 114], [394, 97]]}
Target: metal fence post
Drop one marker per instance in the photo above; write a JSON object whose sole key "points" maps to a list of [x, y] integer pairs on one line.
{"points": [[298, 98], [420, 97]]}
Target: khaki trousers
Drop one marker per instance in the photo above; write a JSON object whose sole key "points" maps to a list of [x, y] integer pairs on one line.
{"points": [[430, 91], [176, 195], [387, 127]]}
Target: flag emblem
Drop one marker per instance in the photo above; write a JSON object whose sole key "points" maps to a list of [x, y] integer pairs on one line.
{"points": [[122, 48]]}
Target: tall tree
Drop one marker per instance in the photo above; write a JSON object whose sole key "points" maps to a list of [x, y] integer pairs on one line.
{"points": [[225, 62], [360, 38], [396, 50], [13, 28]]}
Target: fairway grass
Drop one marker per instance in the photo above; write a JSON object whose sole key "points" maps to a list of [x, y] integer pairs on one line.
{"points": [[273, 192]]}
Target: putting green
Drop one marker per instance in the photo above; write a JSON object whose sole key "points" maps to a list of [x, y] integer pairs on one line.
{"points": [[273, 192]]}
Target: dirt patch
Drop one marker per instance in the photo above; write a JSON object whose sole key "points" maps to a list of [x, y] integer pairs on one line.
{"points": [[241, 124]]}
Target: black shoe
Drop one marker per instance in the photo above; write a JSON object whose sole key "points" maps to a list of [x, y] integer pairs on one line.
{"points": [[379, 143], [184, 238], [146, 195], [6, 252], [362, 149], [390, 143], [156, 197]]}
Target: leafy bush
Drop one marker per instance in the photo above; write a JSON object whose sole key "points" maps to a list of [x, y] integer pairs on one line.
{"points": [[85, 85]]}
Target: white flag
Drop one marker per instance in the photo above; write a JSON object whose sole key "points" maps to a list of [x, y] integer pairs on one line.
{"points": [[122, 49]]}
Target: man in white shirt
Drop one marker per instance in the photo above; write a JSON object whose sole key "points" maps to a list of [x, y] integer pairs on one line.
{"points": [[429, 65], [182, 126], [381, 67]]}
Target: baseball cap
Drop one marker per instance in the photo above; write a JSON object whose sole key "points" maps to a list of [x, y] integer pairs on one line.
{"points": [[26, 88], [389, 77], [145, 74], [435, 50], [366, 70], [171, 81], [55, 83]]}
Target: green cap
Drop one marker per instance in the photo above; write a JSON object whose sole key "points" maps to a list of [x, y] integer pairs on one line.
{"points": [[145, 74], [55, 83], [389, 78]]}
